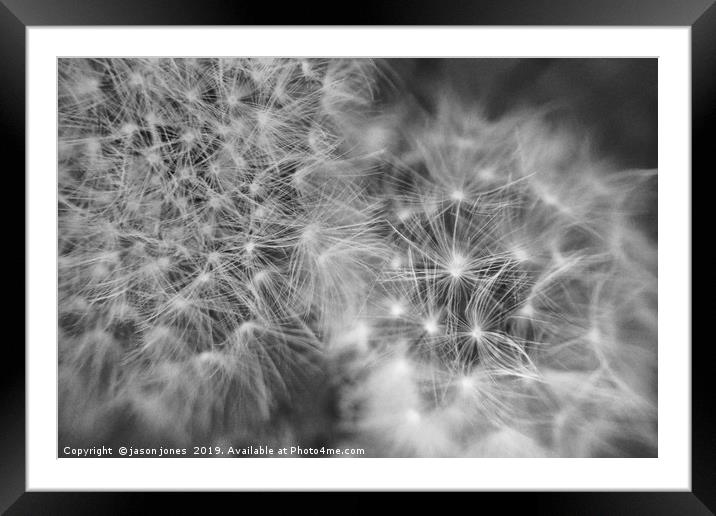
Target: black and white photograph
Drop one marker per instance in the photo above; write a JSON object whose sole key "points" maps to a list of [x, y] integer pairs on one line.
{"points": [[353, 257]]}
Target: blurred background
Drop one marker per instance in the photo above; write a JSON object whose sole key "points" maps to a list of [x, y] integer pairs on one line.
{"points": [[614, 100]]}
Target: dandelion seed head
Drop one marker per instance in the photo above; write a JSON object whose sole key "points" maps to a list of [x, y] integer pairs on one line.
{"points": [[172, 160]]}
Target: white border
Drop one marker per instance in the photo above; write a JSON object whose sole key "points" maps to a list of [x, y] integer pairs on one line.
{"points": [[670, 471]]}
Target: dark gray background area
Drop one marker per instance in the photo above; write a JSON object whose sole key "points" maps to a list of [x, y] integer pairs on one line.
{"points": [[613, 100]]}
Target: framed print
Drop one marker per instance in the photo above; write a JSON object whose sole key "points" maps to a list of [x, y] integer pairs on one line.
{"points": [[400, 257]]}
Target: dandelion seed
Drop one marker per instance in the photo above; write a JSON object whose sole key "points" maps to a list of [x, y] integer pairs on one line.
{"points": [[152, 118], [189, 137], [153, 158], [224, 130], [430, 326], [136, 80], [129, 128], [181, 304], [192, 95], [88, 85], [457, 195], [264, 118], [404, 214], [477, 332], [456, 267], [215, 202], [204, 277], [261, 276], [467, 384], [254, 188], [163, 263]]}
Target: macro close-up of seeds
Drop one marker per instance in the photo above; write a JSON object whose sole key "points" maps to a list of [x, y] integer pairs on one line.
{"points": [[415, 258]]}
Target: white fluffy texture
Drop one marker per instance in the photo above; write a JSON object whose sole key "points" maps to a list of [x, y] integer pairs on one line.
{"points": [[521, 288], [204, 230], [236, 235]]}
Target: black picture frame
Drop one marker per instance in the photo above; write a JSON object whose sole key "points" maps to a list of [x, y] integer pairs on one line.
{"points": [[17, 15]]}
